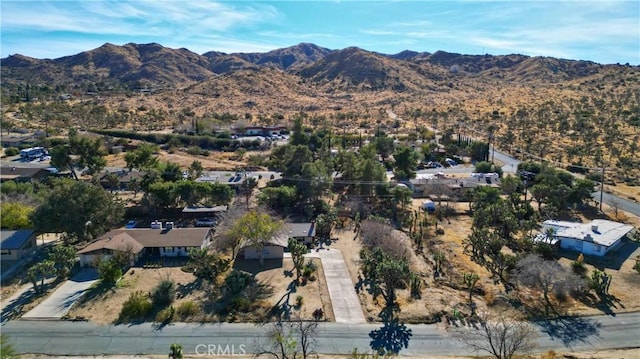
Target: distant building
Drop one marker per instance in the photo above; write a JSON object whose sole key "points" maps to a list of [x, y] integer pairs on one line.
{"points": [[596, 238], [17, 244], [24, 174]]}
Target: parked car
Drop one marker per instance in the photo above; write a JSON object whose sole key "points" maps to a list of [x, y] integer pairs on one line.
{"points": [[205, 222], [131, 224]]}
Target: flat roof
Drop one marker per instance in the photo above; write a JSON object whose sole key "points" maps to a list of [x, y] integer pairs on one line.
{"points": [[599, 231], [204, 209], [15, 239], [307, 229]]}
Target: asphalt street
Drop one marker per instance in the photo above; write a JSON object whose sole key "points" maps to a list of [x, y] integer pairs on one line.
{"points": [[84, 338]]}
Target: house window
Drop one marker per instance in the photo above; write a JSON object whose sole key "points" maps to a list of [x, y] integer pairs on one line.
{"points": [[6, 252], [168, 249]]}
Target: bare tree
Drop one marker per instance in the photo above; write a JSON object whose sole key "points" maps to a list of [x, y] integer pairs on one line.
{"points": [[499, 336], [290, 340], [547, 276], [225, 239], [379, 234]]}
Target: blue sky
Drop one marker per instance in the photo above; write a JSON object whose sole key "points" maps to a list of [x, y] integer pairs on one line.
{"points": [[605, 31]]}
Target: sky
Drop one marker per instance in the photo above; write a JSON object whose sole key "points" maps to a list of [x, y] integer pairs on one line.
{"points": [[603, 31]]}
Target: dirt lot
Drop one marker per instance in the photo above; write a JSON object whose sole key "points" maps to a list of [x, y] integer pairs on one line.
{"points": [[103, 307], [445, 295]]}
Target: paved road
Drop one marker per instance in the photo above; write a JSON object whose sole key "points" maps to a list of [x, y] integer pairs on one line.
{"points": [[622, 203], [57, 305], [82, 338]]}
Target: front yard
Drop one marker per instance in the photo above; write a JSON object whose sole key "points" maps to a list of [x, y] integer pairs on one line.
{"points": [[103, 306]]}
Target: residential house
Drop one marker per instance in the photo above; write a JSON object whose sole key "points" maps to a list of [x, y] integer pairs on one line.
{"points": [[23, 174], [303, 232], [274, 248], [17, 244], [141, 242], [596, 238], [124, 179]]}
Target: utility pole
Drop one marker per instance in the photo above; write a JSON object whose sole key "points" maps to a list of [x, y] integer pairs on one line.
{"points": [[601, 188]]}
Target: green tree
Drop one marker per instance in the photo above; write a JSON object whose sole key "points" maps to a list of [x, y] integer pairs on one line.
{"points": [[141, 158], [470, 280], [195, 169], [64, 258], [171, 172], [257, 229], [280, 199], [79, 209], [384, 146], [61, 159], [298, 250], [15, 215], [164, 194], [90, 153], [220, 194], [383, 274], [109, 271], [298, 137], [406, 161], [39, 272], [207, 266]]}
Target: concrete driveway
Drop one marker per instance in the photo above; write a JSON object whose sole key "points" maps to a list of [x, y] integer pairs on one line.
{"points": [[60, 301], [344, 300]]}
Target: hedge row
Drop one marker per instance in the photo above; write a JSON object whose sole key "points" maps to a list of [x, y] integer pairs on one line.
{"points": [[204, 142]]}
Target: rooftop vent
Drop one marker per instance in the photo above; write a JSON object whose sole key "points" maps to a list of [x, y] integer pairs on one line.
{"points": [[168, 225], [588, 238], [594, 228], [156, 225]]}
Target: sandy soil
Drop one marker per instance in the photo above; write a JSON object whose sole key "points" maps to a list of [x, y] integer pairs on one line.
{"points": [[104, 307]]}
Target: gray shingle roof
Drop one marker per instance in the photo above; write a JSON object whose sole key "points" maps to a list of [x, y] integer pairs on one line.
{"points": [[15, 239]]}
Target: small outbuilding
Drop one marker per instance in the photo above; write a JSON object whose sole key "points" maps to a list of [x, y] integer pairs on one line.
{"points": [[17, 244]]}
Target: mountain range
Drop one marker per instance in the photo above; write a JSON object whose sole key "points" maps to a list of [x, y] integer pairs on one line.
{"points": [[154, 63]]}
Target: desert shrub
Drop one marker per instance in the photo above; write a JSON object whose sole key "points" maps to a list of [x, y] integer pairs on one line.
{"points": [[11, 151], [109, 271], [318, 314], [164, 293], [309, 269], [299, 301], [636, 266], [137, 307], [166, 315], [489, 298], [578, 266], [187, 309], [440, 231], [194, 150]]}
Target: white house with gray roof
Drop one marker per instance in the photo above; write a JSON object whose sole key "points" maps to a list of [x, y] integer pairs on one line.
{"points": [[595, 238]]}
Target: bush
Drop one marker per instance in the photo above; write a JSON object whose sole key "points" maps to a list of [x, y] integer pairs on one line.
{"points": [[166, 315], [187, 309], [11, 151], [299, 301], [194, 150], [109, 271], [137, 307], [164, 293], [309, 269]]}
